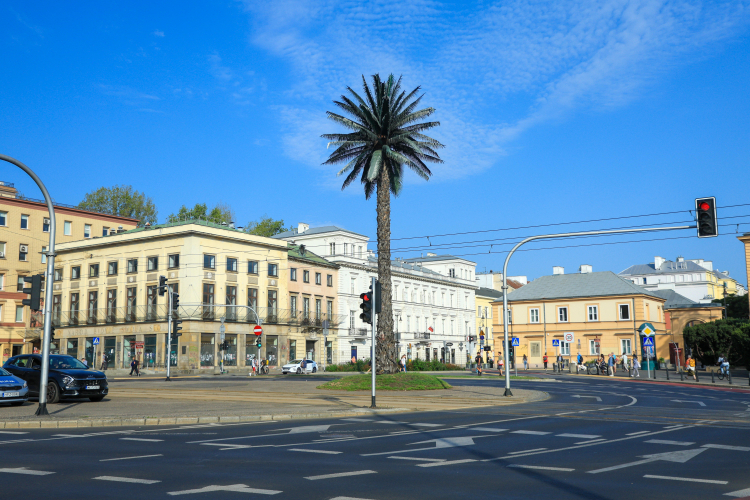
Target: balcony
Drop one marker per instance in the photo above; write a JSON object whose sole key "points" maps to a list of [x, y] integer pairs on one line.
{"points": [[422, 336], [358, 332]]}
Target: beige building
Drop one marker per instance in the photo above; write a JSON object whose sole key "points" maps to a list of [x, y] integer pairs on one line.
{"points": [[484, 298], [24, 235], [107, 289], [745, 238]]}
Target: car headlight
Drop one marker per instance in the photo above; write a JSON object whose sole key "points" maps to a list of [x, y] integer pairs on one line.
{"points": [[25, 384], [67, 380]]}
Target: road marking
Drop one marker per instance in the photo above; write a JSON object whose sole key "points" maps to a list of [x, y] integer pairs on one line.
{"points": [[451, 462], [636, 433], [739, 493], [348, 498], [726, 447], [341, 474], [142, 439], [450, 442], [239, 488], [488, 429], [11, 432], [427, 425], [689, 479], [126, 479], [130, 458], [305, 428], [389, 422], [325, 452], [672, 456], [592, 441], [681, 401], [227, 446], [666, 441], [526, 451], [358, 420], [519, 466], [674, 426], [533, 433], [579, 436], [420, 459], [578, 396], [24, 470]]}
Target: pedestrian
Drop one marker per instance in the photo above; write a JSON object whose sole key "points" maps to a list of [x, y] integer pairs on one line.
{"points": [[501, 364], [478, 360], [560, 362], [544, 359], [635, 367], [132, 367], [690, 365], [137, 367], [611, 364], [625, 362], [403, 363], [85, 363], [579, 363], [303, 365], [104, 361], [525, 362], [354, 360]]}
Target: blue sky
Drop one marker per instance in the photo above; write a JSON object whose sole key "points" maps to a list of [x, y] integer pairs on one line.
{"points": [[551, 112]]}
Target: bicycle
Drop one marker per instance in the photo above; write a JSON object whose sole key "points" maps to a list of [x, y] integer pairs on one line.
{"points": [[721, 374]]}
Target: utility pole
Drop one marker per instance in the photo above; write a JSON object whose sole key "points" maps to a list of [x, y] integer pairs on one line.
{"points": [[168, 355], [372, 326]]}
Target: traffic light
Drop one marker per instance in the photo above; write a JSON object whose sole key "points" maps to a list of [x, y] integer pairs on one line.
{"points": [[259, 344], [162, 285], [35, 292], [176, 327], [52, 332], [366, 307], [377, 297], [175, 301], [705, 210]]}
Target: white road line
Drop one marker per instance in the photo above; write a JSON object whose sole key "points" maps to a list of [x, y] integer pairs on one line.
{"points": [[239, 488], [127, 479], [579, 436], [739, 493], [450, 462], [389, 422], [341, 474], [636, 433], [348, 498], [142, 439], [526, 451], [325, 452], [533, 433], [11, 432], [130, 458], [726, 447], [673, 426], [666, 441], [420, 459], [427, 425], [689, 479], [592, 441], [358, 419], [24, 470], [519, 466], [488, 429], [227, 446]]}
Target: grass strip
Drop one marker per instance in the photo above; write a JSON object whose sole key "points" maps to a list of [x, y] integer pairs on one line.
{"points": [[391, 382]]}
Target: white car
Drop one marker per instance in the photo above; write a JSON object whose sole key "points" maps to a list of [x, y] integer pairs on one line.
{"points": [[296, 367]]}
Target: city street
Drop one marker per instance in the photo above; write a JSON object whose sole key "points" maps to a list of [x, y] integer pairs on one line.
{"points": [[593, 438]]}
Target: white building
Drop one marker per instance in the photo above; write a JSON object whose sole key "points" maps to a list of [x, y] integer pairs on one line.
{"points": [[433, 296]]}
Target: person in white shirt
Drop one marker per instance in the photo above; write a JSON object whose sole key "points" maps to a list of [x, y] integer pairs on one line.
{"points": [[625, 362]]}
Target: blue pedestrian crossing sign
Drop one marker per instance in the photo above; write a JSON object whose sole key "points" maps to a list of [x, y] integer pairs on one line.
{"points": [[515, 342], [96, 341], [648, 342], [555, 343]]}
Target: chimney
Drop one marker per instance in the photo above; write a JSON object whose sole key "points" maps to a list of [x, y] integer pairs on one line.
{"points": [[430, 254], [558, 270], [658, 261], [302, 227], [585, 269], [680, 259]]}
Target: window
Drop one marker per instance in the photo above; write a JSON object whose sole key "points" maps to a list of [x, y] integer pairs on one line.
{"points": [[93, 306], [510, 316], [131, 304], [231, 264], [318, 309], [151, 292], [306, 307], [87, 230], [332, 249], [67, 231], [23, 252], [562, 314], [594, 347], [45, 225], [174, 261], [273, 269], [564, 348], [94, 271], [354, 285], [306, 276], [20, 284], [19, 314], [56, 309], [272, 302], [111, 306], [318, 279], [231, 301], [3, 218], [252, 298], [329, 280], [75, 306], [534, 315], [346, 248], [44, 255], [208, 301], [293, 274], [112, 268], [152, 264], [209, 262], [252, 267], [2, 287], [292, 349], [2, 249], [479, 311], [330, 309], [625, 346], [75, 272], [132, 265], [593, 313], [293, 305], [58, 274], [624, 311], [24, 222]]}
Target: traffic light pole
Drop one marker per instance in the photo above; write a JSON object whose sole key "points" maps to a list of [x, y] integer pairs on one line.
{"points": [[169, 333], [551, 236], [47, 336], [372, 352]]}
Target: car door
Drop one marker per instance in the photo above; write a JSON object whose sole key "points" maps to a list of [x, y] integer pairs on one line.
{"points": [[34, 371], [309, 366], [21, 367]]}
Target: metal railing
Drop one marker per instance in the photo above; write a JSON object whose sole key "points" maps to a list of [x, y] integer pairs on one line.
{"points": [[422, 336], [357, 332]]}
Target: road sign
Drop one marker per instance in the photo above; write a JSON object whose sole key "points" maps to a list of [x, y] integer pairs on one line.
{"points": [[258, 330], [647, 329], [569, 337], [648, 342], [96, 341], [449, 344], [555, 343], [515, 342], [139, 344]]}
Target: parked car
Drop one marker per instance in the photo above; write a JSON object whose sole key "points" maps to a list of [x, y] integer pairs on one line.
{"points": [[68, 377], [296, 367], [13, 390]]}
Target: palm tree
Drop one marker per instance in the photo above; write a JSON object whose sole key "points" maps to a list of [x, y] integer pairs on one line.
{"points": [[387, 134]]}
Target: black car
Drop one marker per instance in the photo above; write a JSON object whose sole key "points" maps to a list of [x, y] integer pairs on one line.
{"points": [[68, 377]]}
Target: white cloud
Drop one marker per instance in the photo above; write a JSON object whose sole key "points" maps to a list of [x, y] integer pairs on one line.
{"points": [[158, 33]]}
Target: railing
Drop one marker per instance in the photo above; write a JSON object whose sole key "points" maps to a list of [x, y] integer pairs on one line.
{"points": [[422, 335], [358, 332]]}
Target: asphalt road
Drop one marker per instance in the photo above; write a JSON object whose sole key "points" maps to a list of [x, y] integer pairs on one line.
{"points": [[594, 439]]}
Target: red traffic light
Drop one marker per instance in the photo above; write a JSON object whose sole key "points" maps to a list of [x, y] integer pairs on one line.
{"points": [[365, 297], [704, 205]]}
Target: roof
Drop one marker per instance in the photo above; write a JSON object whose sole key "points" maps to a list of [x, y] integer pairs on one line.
{"points": [[666, 267], [435, 258], [514, 284], [673, 298], [315, 230], [294, 253], [721, 275], [200, 222], [489, 292], [563, 286]]}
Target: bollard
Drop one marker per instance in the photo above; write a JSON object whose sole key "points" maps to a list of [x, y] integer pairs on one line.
{"points": [[697, 378], [667, 371], [729, 376], [712, 377], [682, 376]]}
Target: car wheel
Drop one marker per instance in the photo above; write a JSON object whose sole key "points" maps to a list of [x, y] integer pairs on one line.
{"points": [[315, 369], [96, 399], [17, 403], [53, 392], [299, 371]]}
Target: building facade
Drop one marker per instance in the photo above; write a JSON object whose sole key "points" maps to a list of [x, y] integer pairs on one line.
{"points": [[433, 296], [24, 236], [745, 239], [484, 299]]}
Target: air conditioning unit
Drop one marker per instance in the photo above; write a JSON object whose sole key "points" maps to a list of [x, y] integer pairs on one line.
{"points": [[24, 248]]}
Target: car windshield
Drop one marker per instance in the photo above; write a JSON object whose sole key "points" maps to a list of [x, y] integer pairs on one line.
{"points": [[4, 373], [295, 362], [66, 363]]}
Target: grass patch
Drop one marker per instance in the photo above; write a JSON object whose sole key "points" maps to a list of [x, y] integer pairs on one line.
{"points": [[392, 382], [487, 377]]}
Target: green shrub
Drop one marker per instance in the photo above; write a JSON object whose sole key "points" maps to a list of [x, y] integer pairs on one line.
{"points": [[360, 366], [419, 365]]}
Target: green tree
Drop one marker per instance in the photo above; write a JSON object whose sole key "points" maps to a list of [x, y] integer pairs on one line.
{"points": [[737, 306], [266, 226], [730, 337], [386, 136], [218, 214], [121, 200]]}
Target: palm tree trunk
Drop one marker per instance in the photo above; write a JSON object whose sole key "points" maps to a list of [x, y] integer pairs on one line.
{"points": [[385, 349]]}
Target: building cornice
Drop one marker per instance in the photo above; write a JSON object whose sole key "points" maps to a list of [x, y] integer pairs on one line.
{"points": [[410, 276]]}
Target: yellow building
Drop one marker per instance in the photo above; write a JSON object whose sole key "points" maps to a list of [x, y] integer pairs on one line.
{"points": [[24, 235], [602, 310], [745, 238], [107, 289], [484, 297]]}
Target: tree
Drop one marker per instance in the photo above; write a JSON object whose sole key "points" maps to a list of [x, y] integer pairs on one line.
{"points": [[121, 200], [730, 337], [737, 306], [266, 226], [218, 214], [387, 134]]}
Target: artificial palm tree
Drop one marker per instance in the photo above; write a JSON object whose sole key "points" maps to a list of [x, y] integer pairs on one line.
{"points": [[387, 134]]}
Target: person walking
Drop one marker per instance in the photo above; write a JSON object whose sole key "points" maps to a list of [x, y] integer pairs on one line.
{"points": [[478, 360], [579, 363], [544, 360], [137, 367], [104, 361], [625, 363], [501, 364], [611, 364], [525, 362], [690, 365], [560, 362], [403, 363], [636, 365]]}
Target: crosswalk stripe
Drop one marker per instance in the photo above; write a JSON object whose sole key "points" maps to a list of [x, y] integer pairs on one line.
{"points": [[578, 436], [688, 479], [540, 467], [532, 433], [24, 470], [447, 462], [127, 480], [142, 439], [325, 452], [667, 441], [341, 474]]}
